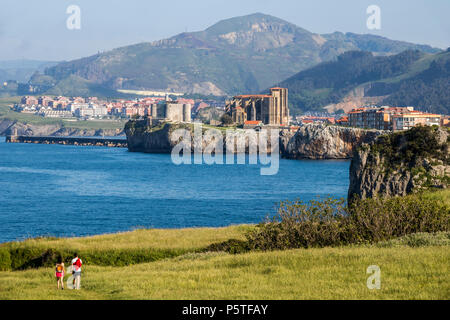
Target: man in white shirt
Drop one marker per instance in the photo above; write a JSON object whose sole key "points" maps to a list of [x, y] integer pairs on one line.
{"points": [[76, 271]]}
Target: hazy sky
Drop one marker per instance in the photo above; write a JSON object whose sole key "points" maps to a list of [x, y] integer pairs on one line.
{"points": [[37, 29]]}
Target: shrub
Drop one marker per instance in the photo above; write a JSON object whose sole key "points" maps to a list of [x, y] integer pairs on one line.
{"points": [[226, 119], [21, 257], [126, 257], [331, 223], [5, 259], [297, 224], [231, 246], [411, 146], [25, 258], [421, 239], [375, 219]]}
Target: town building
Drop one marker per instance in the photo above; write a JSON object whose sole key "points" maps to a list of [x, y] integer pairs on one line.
{"points": [[408, 120], [156, 107], [270, 109], [390, 118], [252, 124], [29, 100], [316, 119], [445, 121], [343, 121], [88, 110]]}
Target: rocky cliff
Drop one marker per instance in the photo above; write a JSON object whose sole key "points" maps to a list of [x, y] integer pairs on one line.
{"points": [[318, 141], [309, 142], [401, 163], [142, 137], [8, 127]]}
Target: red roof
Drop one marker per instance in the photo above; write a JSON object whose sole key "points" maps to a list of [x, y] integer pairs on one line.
{"points": [[252, 122], [253, 96]]}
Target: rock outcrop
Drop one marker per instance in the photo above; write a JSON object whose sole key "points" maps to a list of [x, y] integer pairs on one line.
{"points": [[11, 127], [317, 141], [310, 142], [401, 163], [142, 137]]}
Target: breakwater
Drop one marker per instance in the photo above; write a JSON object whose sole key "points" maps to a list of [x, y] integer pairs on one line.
{"points": [[76, 141]]}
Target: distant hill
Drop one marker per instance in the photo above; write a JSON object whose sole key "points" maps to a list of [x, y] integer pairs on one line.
{"points": [[410, 78], [22, 70], [242, 54]]}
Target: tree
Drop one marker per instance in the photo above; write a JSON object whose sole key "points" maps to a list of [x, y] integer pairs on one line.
{"points": [[226, 119]]}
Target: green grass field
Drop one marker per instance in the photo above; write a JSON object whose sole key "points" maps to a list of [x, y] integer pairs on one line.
{"points": [[7, 113], [407, 272]]}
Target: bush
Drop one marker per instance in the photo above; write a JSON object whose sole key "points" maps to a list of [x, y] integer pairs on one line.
{"points": [[421, 239], [126, 257], [21, 257], [5, 259], [374, 220], [226, 119], [331, 223], [231, 246], [410, 146], [25, 258], [301, 225]]}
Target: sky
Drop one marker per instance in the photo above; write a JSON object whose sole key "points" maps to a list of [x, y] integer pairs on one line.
{"points": [[38, 29]]}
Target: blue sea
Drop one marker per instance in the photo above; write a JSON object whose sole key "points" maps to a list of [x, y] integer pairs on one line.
{"points": [[57, 190]]}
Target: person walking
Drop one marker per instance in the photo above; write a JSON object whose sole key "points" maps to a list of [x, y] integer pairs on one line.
{"points": [[76, 271], [60, 271]]}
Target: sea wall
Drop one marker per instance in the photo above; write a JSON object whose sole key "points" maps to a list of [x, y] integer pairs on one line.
{"points": [[78, 141]]}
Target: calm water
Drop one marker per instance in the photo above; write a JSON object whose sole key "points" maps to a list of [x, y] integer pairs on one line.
{"points": [[74, 191]]}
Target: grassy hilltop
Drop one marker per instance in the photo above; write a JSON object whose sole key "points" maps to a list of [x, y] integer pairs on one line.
{"points": [[189, 264]]}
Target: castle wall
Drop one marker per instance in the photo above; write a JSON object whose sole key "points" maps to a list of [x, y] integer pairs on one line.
{"points": [[175, 112]]}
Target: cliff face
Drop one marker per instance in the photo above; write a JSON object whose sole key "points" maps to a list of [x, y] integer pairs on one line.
{"points": [[310, 142], [9, 127], [401, 163], [327, 142], [144, 138], [141, 138]]}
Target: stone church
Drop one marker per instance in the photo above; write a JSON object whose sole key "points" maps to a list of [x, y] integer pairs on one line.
{"points": [[270, 109]]}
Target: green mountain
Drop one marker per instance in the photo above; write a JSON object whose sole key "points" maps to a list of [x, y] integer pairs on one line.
{"points": [[242, 54], [410, 78]]}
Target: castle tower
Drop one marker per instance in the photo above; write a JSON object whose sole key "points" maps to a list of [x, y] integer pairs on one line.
{"points": [[186, 112], [154, 110], [253, 113], [281, 109]]}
